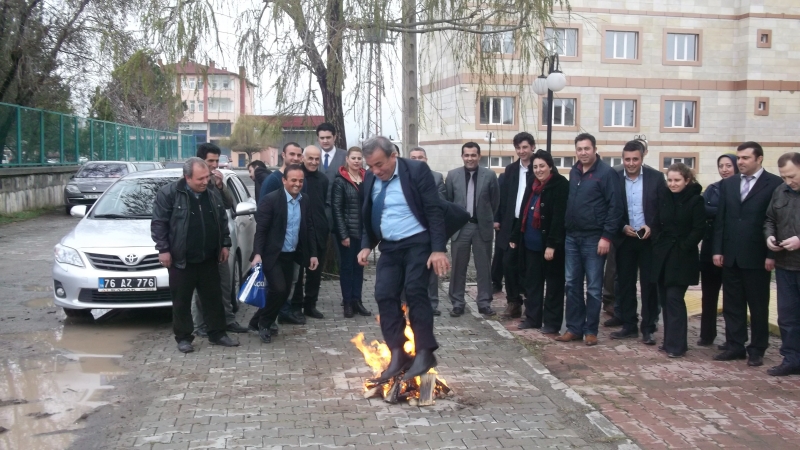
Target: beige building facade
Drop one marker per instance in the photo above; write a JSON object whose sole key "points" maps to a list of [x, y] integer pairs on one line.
{"points": [[696, 77]]}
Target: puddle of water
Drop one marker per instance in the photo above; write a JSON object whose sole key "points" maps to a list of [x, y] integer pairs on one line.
{"points": [[80, 362], [40, 303]]}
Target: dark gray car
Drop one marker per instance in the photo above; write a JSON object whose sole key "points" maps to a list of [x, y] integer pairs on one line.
{"points": [[93, 179]]}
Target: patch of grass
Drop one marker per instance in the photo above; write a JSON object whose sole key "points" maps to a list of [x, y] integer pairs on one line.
{"points": [[24, 215]]}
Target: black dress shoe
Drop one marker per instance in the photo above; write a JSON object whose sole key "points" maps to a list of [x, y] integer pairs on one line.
{"points": [[783, 370], [723, 346], [487, 311], [225, 341], [185, 347], [265, 335], [360, 310], [647, 339], [423, 362], [273, 329], [457, 312], [400, 361], [527, 324], [624, 334], [676, 355], [612, 322], [234, 327], [201, 331], [291, 319], [549, 330], [705, 342], [348, 310], [754, 360], [730, 355], [313, 312], [436, 312]]}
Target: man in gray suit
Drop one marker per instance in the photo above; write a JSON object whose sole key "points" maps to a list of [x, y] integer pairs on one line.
{"points": [[332, 159], [419, 154], [475, 188]]}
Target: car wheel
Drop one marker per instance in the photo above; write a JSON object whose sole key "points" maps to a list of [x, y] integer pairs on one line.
{"points": [[77, 312], [68, 209], [236, 283]]}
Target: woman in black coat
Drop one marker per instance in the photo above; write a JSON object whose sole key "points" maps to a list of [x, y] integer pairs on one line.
{"points": [[682, 220], [346, 199], [541, 233], [711, 275]]}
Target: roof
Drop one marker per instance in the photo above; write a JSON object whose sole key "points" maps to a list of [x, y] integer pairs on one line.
{"points": [[302, 122], [192, 68]]}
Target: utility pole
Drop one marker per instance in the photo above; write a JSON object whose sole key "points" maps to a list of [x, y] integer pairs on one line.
{"points": [[410, 89]]}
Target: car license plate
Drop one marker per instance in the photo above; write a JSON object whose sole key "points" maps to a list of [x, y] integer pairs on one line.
{"points": [[127, 284], [91, 196]]}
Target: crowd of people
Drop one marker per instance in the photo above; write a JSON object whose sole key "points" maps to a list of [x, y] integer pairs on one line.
{"points": [[557, 240]]}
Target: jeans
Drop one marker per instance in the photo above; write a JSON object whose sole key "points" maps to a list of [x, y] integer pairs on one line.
{"points": [[351, 273], [789, 315], [583, 262]]}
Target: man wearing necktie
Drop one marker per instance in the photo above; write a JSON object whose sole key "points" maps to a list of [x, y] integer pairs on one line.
{"points": [[741, 251], [332, 159], [402, 211], [476, 189]]}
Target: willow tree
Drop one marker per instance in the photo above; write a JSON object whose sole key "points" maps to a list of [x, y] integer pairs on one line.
{"points": [[310, 47], [251, 134]]}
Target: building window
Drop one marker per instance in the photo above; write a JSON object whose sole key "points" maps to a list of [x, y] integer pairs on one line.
{"points": [[226, 83], [191, 106], [682, 47], [191, 83], [502, 42], [670, 160], [679, 114], [222, 129], [220, 105], [621, 45], [764, 38], [619, 113], [184, 83], [564, 162], [564, 41], [762, 106], [496, 161], [612, 161], [200, 106], [563, 112], [497, 111]]}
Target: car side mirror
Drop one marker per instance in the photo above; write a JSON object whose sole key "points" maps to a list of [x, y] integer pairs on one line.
{"points": [[78, 211], [245, 209]]}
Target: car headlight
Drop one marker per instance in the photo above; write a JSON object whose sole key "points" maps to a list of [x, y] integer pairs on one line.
{"points": [[72, 189], [67, 255]]}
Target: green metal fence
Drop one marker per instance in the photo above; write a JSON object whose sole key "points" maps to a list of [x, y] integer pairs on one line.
{"points": [[35, 137]]}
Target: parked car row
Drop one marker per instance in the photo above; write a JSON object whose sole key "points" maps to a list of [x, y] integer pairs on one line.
{"points": [[93, 178]]}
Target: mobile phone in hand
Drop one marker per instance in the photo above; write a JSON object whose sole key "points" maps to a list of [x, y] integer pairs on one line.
{"points": [[641, 232]]}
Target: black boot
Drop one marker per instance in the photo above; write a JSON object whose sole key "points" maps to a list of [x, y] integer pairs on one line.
{"points": [[400, 362], [359, 308], [348, 310], [423, 362]]}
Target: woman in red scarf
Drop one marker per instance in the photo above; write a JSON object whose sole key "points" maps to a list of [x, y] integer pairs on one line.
{"points": [[540, 231]]}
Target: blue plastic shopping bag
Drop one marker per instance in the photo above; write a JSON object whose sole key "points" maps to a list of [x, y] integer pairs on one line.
{"points": [[254, 289]]}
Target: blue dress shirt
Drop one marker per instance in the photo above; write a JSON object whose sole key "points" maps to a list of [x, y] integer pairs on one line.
{"points": [[292, 222], [397, 220], [635, 192]]}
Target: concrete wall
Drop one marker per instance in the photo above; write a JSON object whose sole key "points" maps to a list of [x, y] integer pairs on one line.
{"points": [[27, 188]]}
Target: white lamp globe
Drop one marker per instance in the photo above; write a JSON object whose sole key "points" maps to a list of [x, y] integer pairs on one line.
{"points": [[540, 85], [556, 81]]}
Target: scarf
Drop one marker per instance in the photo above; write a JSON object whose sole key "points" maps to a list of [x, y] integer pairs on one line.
{"points": [[536, 191]]}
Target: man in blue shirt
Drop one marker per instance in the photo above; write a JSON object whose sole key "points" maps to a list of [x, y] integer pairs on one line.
{"points": [[403, 212]]}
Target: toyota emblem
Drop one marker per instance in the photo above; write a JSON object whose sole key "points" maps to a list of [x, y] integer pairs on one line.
{"points": [[131, 259], [94, 188]]}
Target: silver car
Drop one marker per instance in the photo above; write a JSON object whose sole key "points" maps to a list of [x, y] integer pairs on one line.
{"points": [[109, 260], [92, 179]]}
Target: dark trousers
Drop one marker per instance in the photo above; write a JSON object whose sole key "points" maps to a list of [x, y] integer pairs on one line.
{"points": [[544, 289], [497, 265], [634, 258], [610, 281], [676, 322], [402, 266], [279, 283], [351, 273], [789, 315], [204, 277], [710, 283], [743, 289], [306, 292], [512, 259]]}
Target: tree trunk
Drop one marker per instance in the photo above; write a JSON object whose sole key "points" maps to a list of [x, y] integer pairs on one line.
{"points": [[331, 84]]}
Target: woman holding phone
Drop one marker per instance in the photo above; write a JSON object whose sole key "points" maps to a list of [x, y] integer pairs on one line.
{"points": [[711, 275], [682, 217], [541, 233]]}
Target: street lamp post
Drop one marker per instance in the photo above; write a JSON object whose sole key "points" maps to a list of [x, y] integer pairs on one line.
{"points": [[553, 82]]}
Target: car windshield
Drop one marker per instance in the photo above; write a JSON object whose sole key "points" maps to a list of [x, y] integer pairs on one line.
{"points": [[102, 170], [130, 199], [145, 166]]}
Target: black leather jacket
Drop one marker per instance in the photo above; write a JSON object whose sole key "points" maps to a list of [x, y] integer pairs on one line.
{"points": [[170, 223], [346, 205]]}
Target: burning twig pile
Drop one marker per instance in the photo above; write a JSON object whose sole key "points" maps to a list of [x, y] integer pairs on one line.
{"points": [[421, 390]]}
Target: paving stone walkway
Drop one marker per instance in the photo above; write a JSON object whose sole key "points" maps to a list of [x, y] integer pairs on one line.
{"points": [[304, 390]]}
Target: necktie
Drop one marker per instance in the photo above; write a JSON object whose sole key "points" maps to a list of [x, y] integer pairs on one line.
{"points": [[377, 208], [471, 193], [746, 186], [326, 160]]}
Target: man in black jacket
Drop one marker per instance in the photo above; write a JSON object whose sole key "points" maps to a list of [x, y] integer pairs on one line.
{"points": [[190, 229], [741, 251], [594, 218], [284, 237], [315, 189], [258, 173], [640, 185]]}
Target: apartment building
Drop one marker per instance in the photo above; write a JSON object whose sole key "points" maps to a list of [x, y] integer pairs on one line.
{"points": [[696, 77]]}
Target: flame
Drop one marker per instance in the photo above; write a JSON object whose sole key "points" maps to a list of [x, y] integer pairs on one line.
{"points": [[376, 354]]}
